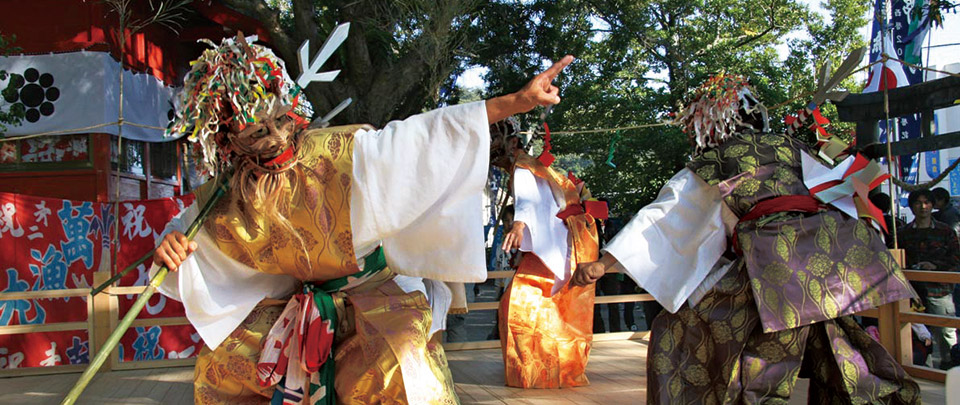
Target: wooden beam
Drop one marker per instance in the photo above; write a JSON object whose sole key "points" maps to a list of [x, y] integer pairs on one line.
{"points": [[614, 299], [931, 95], [31, 371], [604, 337], [915, 145], [148, 322], [933, 276], [44, 327], [926, 373], [869, 313], [943, 321], [131, 290], [162, 363], [495, 344], [481, 306], [49, 294]]}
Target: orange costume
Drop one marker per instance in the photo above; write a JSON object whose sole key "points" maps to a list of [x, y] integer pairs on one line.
{"points": [[547, 323]]}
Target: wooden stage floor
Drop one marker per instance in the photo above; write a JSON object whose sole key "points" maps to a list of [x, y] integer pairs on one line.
{"points": [[616, 372]]}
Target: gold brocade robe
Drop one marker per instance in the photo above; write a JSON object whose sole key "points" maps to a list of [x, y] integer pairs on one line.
{"points": [[546, 339], [383, 332]]}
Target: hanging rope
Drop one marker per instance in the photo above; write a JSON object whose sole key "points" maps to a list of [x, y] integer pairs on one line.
{"points": [[596, 131], [59, 132], [924, 186]]}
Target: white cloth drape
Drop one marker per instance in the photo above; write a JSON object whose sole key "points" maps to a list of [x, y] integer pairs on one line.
{"points": [[545, 235], [417, 189], [82, 90], [671, 245]]}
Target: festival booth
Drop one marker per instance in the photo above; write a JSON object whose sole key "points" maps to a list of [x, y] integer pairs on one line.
{"points": [[78, 203]]}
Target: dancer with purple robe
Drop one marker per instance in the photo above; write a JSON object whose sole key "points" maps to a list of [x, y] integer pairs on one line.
{"points": [[758, 276]]}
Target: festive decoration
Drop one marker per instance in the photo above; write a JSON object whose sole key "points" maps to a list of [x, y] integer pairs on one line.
{"points": [[232, 84], [613, 147], [846, 186], [546, 157], [114, 339], [32, 92], [714, 115], [51, 244], [830, 147], [59, 96]]}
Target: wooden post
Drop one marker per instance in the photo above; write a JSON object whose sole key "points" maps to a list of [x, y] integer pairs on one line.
{"points": [[101, 307], [894, 335]]}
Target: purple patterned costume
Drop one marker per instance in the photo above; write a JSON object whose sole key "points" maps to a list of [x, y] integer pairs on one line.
{"points": [[782, 310]]}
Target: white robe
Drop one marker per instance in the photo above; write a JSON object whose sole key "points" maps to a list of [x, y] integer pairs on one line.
{"points": [[671, 246], [545, 235], [417, 189]]}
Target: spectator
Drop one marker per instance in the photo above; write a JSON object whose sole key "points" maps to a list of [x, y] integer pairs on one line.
{"points": [[946, 212], [882, 201], [932, 245]]}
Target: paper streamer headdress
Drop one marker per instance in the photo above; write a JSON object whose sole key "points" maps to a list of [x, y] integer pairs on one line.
{"points": [[235, 83], [714, 115]]}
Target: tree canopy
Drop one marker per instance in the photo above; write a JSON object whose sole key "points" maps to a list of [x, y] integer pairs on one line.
{"points": [[637, 61]]}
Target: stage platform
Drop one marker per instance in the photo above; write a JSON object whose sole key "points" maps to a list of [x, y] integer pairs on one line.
{"points": [[617, 374]]}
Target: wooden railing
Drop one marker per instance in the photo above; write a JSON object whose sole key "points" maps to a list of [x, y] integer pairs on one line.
{"points": [[103, 314], [48, 327], [894, 322], [598, 337]]}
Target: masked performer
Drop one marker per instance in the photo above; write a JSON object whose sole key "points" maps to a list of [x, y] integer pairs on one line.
{"points": [[747, 317], [546, 324], [313, 279]]}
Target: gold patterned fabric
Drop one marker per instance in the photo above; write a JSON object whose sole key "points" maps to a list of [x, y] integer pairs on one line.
{"points": [[383, 350], [321, 215], [382, 338], [228, 374], [546, 339]]}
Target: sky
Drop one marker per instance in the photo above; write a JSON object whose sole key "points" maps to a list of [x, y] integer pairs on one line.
{"points": [[944, 47]]}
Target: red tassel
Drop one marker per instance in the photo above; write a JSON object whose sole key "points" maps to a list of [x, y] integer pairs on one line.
{"points": [[546, 157]]}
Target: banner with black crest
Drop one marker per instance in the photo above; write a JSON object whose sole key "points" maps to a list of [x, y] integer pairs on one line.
{"points": [[78, 92]]}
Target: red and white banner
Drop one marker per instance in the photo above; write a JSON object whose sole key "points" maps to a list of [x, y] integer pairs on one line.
{"points": [[52, 244]]}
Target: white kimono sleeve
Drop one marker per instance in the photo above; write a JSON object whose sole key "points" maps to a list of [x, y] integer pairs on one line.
{"points": [[670, 245], [418, 187], [217, 291], [545, 235]]}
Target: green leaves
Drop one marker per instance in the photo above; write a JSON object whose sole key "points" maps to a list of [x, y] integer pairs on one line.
{"points": [[638, 61]]}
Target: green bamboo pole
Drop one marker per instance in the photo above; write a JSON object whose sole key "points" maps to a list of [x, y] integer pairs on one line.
{"points": [[117, 276], [158, 278]]}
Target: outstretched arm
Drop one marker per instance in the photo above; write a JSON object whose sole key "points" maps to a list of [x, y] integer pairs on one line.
{"points": [[539, 91]]}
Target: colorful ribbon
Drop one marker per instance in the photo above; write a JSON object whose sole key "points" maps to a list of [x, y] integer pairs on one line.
{"points": [[298, 354], [597, 209], [613, 147]]}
